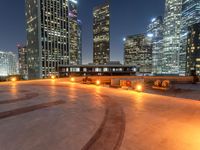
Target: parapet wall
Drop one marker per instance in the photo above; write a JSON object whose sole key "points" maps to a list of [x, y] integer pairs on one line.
{"points": [[107, 79]]}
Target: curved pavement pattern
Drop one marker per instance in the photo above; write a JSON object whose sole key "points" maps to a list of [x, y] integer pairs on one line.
{"points": [[110, 134], [59, 115], [27, 96]]}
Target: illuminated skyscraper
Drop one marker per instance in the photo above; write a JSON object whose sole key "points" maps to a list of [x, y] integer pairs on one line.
{"points": [[75, 47], [22, 59], [193, 50], [79, 42], [8, 63], [101, 34], [52, 36], [190, 16], [138, 52], [171, 37], [155, 32]]}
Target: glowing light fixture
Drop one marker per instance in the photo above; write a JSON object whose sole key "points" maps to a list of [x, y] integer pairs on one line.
{"points": [[53, 77], [139, 88], [98, 82], [72, 79], [13, 79]]}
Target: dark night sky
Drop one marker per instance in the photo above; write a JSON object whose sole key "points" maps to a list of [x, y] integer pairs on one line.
{"points": [[127, 17]]}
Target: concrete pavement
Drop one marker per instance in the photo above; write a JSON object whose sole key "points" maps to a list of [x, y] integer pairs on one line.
{"points": [[59, 115]]}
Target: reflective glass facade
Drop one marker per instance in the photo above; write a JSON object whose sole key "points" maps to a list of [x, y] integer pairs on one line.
{"points": [[171, 37], [75, 46], [23, 62], [193, 50], [8, 63], [155, 32], [79, 42], [138, 52], [190, 16]]}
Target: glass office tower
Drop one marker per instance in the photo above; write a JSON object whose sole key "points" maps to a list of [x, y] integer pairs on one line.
{"points": [[193, 50], [52, 36], [138, 52], [79, 42], [190, 16], [8, 63], [171, 37], [22, 60], [155, 32], [101, 34], [75, 46]]}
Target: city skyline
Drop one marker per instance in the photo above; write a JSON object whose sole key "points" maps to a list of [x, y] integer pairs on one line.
{"points": [[100, 75], [135, 21]]}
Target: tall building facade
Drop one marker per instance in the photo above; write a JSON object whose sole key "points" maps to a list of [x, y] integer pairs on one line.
{"points": [[101, 34], [138, 52], [155, 32], [190, 16], [75, 47], [79, 42], [23, 61], [8, 63], [52, 36], [193, 50], [171, 37]]}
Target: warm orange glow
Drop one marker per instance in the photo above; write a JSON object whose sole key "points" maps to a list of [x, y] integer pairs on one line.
{"points": [[53, 77], [98, 82], [139, 88], [72, 79], [13, 79]]}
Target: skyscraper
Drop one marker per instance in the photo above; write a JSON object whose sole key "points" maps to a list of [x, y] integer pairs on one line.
{"points": [[193, 50], [79, 42], [8, 63], [171, 37], [138, 52], [52, 36], [74, 34], [155, 31], [101, 34], [22, 59], [190, 16]]}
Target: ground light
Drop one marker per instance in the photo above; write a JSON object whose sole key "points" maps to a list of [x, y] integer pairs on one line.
{"points": [[53, 77], [72, 79], [13, 79], [98, 82], [139, 88]]}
